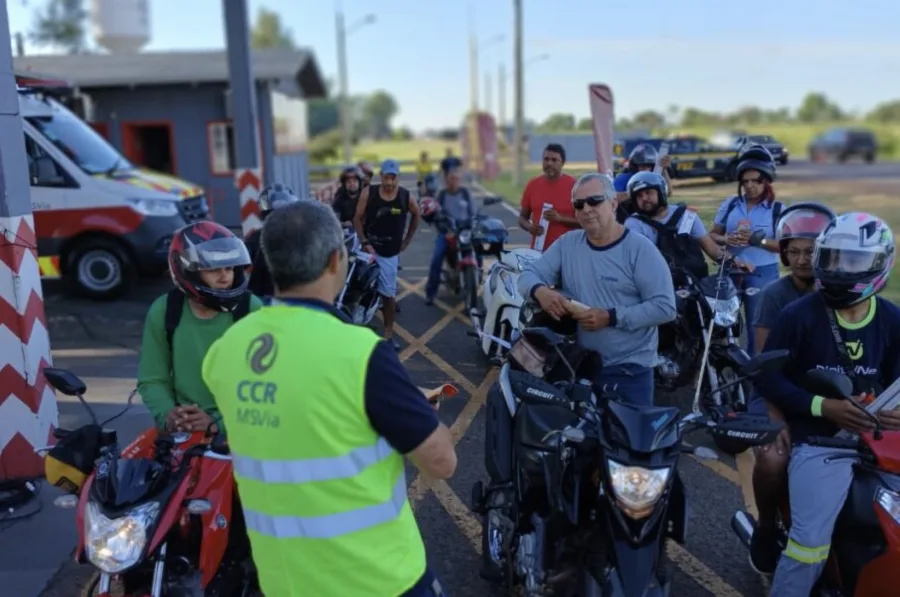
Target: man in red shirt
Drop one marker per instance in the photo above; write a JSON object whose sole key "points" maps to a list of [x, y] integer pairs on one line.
{"points": [[554, 189]]}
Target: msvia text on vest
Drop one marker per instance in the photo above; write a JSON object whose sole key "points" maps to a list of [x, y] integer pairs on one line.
{"points": [[259, 393]]}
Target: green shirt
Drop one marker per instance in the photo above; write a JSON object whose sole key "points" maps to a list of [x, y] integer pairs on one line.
{"points": [[167, 379]]}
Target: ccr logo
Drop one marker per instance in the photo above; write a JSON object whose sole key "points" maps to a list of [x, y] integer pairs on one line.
{"points": [[261, 353]]}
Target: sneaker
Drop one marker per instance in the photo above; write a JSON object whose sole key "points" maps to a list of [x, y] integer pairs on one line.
{"points": [[764, 553]]}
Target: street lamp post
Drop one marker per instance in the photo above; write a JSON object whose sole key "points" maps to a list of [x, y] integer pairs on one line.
{"points": [[474, 48], [519, 92], [341, 33]]}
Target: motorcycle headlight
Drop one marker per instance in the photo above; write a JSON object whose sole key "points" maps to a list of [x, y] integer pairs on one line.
{"points": [[465, 237], [637, 489], [725, 311], [154, 207], [116, 544], [508, 283]]}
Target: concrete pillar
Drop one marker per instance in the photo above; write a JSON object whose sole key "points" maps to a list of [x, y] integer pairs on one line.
{"points": [[28, 410], [247, 172]]}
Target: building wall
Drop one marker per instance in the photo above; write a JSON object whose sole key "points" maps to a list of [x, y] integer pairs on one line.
{"points": [[190, 110], [579, 147]]}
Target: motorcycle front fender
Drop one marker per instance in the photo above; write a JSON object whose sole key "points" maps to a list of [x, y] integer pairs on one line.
{"points": [[635, 571]]}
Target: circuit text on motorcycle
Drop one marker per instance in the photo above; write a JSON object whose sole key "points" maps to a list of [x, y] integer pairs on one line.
{"points": [[701, 346], [158, 517], [864, 559], [584, 489]]}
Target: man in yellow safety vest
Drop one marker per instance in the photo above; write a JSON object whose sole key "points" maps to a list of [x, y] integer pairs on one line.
{"points": [[319, 415]]}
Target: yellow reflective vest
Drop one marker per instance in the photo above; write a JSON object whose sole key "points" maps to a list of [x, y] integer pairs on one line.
{"points": [[324, 496]]}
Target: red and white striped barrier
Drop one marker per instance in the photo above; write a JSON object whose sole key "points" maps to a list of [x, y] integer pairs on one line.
{"points": [[249, 184], [28, 410]]}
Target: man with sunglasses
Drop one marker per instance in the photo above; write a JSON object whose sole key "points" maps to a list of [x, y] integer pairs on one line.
{"points": [[621, 281]]}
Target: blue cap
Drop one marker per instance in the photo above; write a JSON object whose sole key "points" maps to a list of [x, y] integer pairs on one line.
{"points": [[390, 167]]}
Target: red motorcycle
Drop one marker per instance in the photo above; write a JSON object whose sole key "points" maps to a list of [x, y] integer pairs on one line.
{"points": [[865, 547], [159, 517]]}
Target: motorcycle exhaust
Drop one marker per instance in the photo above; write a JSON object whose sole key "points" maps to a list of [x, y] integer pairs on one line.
{"points": [[743, 526]]}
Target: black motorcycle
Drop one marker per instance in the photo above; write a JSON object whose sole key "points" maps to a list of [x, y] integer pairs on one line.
{"points": [[705, 335], [466, 240], [592, 492], [359, 299]]}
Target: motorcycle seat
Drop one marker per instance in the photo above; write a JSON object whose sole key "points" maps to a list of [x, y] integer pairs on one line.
{"points": [[534, 422]]}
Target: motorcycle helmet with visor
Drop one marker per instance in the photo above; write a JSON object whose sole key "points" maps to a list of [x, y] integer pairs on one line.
{"points": [[649, 180], [801, 220], [643, 155], [853, 259]]}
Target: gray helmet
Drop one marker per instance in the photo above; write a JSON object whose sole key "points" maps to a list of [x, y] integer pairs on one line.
{"points": [[648, 180], [274, 196]]}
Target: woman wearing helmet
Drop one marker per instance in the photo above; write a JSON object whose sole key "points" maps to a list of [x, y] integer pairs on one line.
{"points": [[796, 233], [208, 265], [641, 159], [347, 196], [843, 327], [746, 223], [270, 198]]}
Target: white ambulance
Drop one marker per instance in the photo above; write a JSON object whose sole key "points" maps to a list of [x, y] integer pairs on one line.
{"points": [[100, 221]]}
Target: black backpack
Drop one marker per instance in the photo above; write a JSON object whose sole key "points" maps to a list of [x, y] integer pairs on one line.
{"points": [[680, 250], [175, 304], [776, 211]]}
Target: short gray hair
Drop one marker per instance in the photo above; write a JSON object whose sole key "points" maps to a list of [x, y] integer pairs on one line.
{"points": [[609, 188], [298, 241]]}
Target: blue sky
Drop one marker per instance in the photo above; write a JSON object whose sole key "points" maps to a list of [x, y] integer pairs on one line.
{"points": [[712, 54]]}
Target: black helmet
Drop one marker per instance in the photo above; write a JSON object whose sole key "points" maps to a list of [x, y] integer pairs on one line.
{"points": [[648, 180], [350, 172], [756, 157], [643, 154], [274, 196]]}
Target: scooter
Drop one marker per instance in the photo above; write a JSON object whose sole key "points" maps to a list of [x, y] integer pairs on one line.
{"points": [[359, 299], [502, 302], [158, 517], [865, 547]]}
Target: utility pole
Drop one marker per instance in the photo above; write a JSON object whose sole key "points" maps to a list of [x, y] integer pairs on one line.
{"points": [[473, 72], [519, 92], [343, 103], [248, 174], [501, 97], [488, 88], [28, 407]]}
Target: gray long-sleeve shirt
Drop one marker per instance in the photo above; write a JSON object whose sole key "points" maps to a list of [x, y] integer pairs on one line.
{"points": [[630, 276]]}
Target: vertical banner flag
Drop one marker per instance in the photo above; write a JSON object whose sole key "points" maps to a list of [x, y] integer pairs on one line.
{"points": [[601, 100], [487, 131]]}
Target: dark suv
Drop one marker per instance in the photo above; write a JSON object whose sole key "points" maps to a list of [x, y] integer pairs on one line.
{"points": [[842, 143]]}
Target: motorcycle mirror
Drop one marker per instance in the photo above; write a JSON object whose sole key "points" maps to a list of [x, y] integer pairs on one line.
{"points": [[766, 362], [64, 381], [827, 383], [757, 238], [748, 429], [574, 435], [494, 200], [704, 453]]}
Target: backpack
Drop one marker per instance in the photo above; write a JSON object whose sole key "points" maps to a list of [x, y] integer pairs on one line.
{"points": [[776, 211], [680, 250], [466, 195], [175, 304]]}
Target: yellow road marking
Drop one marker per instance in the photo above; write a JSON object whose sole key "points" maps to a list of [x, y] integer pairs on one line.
{"points": [[418, 489]]}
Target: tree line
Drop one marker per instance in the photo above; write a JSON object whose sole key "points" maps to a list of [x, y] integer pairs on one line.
{"points": [[62, 26], [815, 108]]}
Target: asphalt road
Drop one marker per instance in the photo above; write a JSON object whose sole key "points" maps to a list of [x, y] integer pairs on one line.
{"points": [[805, 170], [100, 341]]}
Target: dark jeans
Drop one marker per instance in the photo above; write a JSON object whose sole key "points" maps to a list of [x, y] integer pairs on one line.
{"points": [[437, 262], [428, 586], [760, 278], [633, 382]]}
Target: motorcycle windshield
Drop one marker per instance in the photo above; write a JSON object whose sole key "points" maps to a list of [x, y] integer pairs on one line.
{"points": [[715, 287], [642, 428], [127, 481]]}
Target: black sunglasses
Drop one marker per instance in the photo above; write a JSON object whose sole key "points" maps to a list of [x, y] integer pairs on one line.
{"points": [[593, 201]]}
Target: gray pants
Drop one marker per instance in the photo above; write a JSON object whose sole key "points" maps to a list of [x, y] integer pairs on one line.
{"points": [[818, 490]]}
